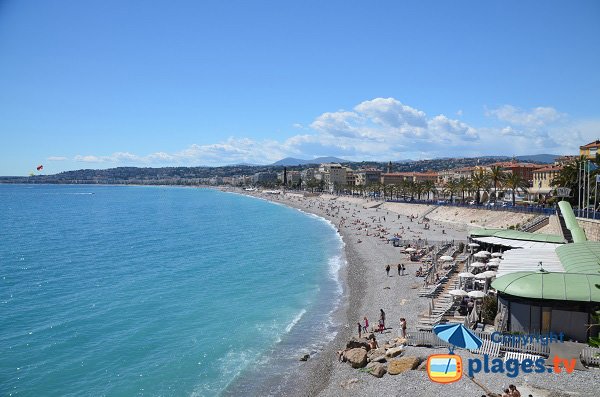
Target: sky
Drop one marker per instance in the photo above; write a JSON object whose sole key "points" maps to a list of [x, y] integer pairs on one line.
{"points": [[101, 84]]}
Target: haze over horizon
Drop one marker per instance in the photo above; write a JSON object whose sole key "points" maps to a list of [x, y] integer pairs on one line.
{"points": [[109, 83]]}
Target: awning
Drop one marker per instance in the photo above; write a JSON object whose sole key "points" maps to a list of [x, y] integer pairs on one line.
{"points": [[505, 242], [528, 260]]}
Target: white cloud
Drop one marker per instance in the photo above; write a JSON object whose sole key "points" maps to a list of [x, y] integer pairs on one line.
{"points": [[385, 129], [534, 118], [57, 158]]}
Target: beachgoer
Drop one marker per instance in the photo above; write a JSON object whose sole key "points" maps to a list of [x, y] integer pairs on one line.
{"points": [[373, 344], [506, 393], [359, 330], [365, 324], [403, 327], [381, 320], [513, 391], [399, 268], [387, 270], [403, 269]]}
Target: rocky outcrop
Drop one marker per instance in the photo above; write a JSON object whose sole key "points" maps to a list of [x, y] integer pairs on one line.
{"points": [[356, 357], [376, 369], [403, 364]]}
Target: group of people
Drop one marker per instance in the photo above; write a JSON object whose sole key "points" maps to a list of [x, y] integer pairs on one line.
{"points": [[512, 392], [401, 269], [364, 326]]}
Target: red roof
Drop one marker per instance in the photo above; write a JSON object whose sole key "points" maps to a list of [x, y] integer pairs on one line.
{"points": [[548, 169], [590, 145]]}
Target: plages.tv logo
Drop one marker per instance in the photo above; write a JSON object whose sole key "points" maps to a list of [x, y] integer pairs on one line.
{"points": [[448, 368]]}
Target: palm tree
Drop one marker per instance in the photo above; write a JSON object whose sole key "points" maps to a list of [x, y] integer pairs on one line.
{"points": [[515, 182], [497, 176], [464, 184], [429, 187], [480, 181], [451, 187]]}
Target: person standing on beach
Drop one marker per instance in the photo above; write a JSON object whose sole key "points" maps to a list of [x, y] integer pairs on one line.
{"points": [[381, 320], [359, 330], [403, 327], [365, 324], [387, 270], [399, 268]]}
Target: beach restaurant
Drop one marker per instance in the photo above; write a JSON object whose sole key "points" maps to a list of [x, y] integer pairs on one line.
{"points": [[544, 284]]}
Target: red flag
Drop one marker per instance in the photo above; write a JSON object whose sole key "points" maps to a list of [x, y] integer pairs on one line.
{"points": [[40, 167]]}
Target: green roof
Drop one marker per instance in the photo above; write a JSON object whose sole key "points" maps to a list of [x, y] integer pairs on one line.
{"points": [[517, 235], [557, 286], [580, 257], [571, 222]]}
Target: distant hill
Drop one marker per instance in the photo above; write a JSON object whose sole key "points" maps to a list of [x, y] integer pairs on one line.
{"points": [[539, 158], [290, 161]]}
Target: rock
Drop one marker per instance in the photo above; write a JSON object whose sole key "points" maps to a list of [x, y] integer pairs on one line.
{"points": [[305, 357], [381, 359], [376, 369], [375, 352], [357, 357], [403, 364], [358, 343], [395, 351]]}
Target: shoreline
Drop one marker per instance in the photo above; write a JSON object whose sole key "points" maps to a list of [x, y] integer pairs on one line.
{"points": [[315, 375], [367, 288]]}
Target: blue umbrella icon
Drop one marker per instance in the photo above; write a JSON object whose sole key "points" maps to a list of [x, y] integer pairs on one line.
{"points": [[457, 335]]}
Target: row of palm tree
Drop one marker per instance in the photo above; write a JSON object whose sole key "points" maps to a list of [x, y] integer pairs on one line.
{"points": [[481, 181]]}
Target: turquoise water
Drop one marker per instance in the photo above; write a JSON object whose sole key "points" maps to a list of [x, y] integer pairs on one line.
{"points": [[125, 291]]}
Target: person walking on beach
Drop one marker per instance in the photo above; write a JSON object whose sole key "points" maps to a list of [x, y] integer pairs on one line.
{"points": [[365, 324], [381, 321], [387, 270], [359, 330], [399, 268], [403, 269]]}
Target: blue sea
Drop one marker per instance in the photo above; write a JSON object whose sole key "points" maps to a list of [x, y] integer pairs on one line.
{"points": [[159, 291]]}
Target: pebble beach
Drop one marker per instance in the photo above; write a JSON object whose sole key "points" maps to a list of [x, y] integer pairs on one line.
{"points": [[365, 226]]}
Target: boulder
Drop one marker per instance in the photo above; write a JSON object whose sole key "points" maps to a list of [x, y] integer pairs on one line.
{"points": [[355, 343], [403, 364], [375, 352], [395, 351], [376, 369], [357, 357], [305, 357]]}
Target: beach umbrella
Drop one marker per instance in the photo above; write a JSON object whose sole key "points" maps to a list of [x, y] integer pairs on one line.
{"points": [[480, 254], [480, 276], [497, 255], [473, 245], [458, 292], [488, 253], [476, 294], [446, 258], [477, 264], [495, 260], [457, 335], [466, 275], [489, 274], [410, 250]]}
